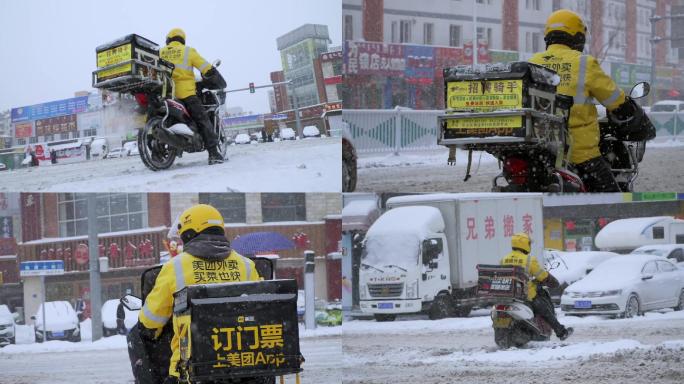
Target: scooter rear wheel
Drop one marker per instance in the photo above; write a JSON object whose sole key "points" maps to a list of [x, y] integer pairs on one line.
{"points": [[155, 154]]}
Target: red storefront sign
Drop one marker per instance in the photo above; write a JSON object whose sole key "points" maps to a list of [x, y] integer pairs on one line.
{"points": [[447, 57], [30, 213], [54, 125], [364, 58], [23, 130]]}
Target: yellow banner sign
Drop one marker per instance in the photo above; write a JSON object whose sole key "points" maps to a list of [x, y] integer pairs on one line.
{"points": [[489, 124], [114, 55], [484, 96]]}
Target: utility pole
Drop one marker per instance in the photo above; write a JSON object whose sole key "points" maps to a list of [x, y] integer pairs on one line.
{"points": [[94, 254], [476, 49], [293, 95]]}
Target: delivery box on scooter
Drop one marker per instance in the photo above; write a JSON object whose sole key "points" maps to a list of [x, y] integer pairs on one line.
{"points": [[505, 281], [516, 102], [128, 62], [236, 330]]}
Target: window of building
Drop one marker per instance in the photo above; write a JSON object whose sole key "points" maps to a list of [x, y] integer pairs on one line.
{"points": [[484, 34], [75, 134], [115, 212], [428, 32], [455, 35], [33, 140], [90, 132], [49, 138], [231, 205], [21, 141], [283, 207], [405, 31], [348, 27], [64, 136], [394, 32], [533, 5]]}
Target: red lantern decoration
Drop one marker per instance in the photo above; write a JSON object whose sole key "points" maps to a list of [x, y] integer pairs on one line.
{"points": [[570, 225]]}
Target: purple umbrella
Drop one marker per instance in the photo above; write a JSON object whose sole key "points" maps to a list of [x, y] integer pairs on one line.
{"points": [[261, 242]]}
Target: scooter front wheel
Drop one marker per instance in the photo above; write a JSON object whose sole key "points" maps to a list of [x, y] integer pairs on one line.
{"points": [[155, 154]]}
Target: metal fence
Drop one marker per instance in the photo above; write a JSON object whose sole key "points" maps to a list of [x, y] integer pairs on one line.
{"points": [[397, 130]]}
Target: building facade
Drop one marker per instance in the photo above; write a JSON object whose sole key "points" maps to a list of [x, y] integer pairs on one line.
{"points": [[298, 49], [133, 235], [412, 42]]}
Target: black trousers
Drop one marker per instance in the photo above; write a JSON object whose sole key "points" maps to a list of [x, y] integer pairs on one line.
{"points": [[596, 175], [194, 106], [543, 306]]}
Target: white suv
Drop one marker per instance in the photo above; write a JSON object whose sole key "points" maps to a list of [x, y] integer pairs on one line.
{"points": [[7, 334]]}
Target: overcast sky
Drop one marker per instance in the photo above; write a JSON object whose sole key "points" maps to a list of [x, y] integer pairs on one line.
{"points": [[48, 46]]}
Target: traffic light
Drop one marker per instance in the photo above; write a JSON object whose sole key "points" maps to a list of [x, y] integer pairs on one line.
{"points": [[251, 88]]}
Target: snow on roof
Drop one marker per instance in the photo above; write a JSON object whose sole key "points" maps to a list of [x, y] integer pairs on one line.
{"points": [[359, 208], [664, 247], [85, 237], [413, 221], [402, 200], [629, 233]]}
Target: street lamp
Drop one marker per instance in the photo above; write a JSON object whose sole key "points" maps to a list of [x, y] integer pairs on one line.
{"points": [[293, 97]]}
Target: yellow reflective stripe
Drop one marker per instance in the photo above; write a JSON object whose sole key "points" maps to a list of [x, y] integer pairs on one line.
{"points": [[529, 260], [204, 66], [161, 320], [612, 98], [178, 267], [248, 268], [186, 55], [581, 76]]}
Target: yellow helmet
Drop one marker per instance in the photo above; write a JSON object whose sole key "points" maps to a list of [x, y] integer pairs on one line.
{"points": [[176, 32], [198, 218], [566, 21], [522, 242]]}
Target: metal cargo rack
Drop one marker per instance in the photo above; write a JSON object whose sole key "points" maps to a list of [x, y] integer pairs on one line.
{"points": [[142, 77], [537, 128]]}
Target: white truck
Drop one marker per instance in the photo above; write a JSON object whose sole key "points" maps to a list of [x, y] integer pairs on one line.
{"points": [[626, 235], [421, 255]]}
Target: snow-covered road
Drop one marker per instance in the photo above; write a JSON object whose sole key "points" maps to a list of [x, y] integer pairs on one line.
{"points": [[648, 349], [427, 171], [106, 361], [311, 165]]}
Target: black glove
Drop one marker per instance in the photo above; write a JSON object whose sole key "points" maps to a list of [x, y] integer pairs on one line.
{"points": [[146, 334], [171, 380]]}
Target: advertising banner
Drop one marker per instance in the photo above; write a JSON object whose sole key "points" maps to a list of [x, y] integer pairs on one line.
{"points": [[51, 109], [297, 56], [6, 228], [420, 64], [362, 58], [55, 125], [447, 57], [23, 130]]}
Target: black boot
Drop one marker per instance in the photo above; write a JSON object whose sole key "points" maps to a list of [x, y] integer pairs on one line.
{"points": [[565, 333], [215, 156]]}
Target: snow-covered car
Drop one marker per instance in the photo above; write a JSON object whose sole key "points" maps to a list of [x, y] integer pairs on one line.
{"points": [[61, 322], [7, 330], [569, 267], [98, 147], [3, 167], [311, 131], [242, 138], [287, 134], [134, 151], [675, 252], [626, 286], [109, 326], [114, 153], [668, 106]]}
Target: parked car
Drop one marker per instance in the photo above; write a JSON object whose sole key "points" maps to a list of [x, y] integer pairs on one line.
{"points": [[109, 326], [3, 167], [311, 131], [114, 153], [626, 286], [61, 322], [7, 330], [130, 148], [287, 134], [668, 106], [569, 267], [98, 147], [242, 138], [675, 252]]}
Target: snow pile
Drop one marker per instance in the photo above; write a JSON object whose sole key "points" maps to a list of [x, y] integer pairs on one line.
{"points": [[319, 332], [113, 342], [436, 157]]}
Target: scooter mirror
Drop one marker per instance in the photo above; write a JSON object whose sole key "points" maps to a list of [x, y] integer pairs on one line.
{"points": [[132, 303], [216, 63], [640, 90]]}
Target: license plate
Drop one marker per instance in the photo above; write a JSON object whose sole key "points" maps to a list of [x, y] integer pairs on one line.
{"points": [[58, 333], [583, 304], [502, 322], [385, 305]]}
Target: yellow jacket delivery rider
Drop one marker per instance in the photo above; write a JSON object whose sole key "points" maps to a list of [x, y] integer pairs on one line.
{"points": [[207, 258], [185, 60], [582, 77], [520, 256]]}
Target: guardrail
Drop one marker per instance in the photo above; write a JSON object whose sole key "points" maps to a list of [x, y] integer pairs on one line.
{"points": [[400, 130]]}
